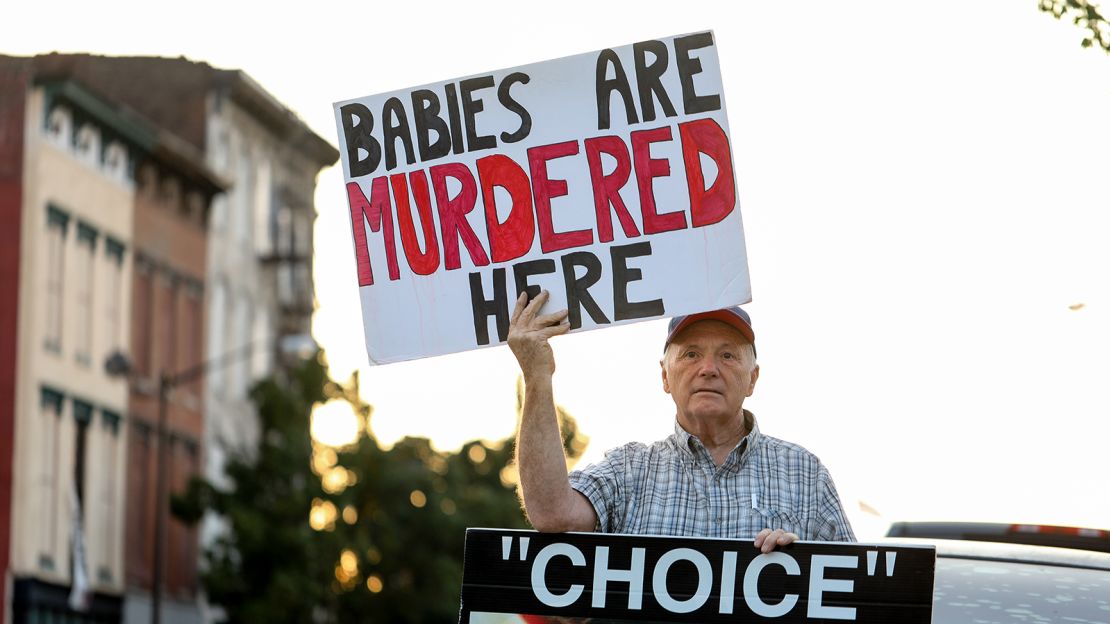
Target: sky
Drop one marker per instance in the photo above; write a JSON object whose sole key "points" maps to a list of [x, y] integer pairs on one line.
{"points": [[923, 190]]}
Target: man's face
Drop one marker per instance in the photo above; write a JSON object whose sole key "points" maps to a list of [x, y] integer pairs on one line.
{"points": [[709, 369]]}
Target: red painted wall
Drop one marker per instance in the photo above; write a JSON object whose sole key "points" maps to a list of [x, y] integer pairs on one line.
{"points": [[14, 76]]}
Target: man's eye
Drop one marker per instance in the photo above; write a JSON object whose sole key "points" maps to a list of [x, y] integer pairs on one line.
{"points": [[689, 354], [728, 356]]}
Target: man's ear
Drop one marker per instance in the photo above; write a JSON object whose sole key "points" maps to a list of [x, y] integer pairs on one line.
{"points": [[663, 372], [755, 377]]}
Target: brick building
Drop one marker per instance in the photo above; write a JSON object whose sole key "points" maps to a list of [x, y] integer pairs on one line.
{"points": [[172, 201]]}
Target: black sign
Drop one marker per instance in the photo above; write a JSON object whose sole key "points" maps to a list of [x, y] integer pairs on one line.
{"points": [[524, 576]]}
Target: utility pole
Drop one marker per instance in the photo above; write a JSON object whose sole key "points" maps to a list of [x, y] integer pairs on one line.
{"points": [[118, 365], [166, 383]]}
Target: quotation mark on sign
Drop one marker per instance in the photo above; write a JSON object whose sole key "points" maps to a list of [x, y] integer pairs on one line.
{"points": [[507, 547], [873, 556]]}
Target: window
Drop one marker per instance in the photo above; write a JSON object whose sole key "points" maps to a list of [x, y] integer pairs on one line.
{"points": [[302, 235], [113, 296], [57, 223], [239, 339], [243, 207], [284, 234], [222, 161], [88, 144], [302, 268], [167, 313], [50, 405], [192, 330], [82, 413], [86, 256], [143, 320], [115, 162], [221, 156], [261, 344], [181, 547], [294, 287], [140, 482], [217, 343], [106, 502], [59, 127], [285, 285], [261, 205]]}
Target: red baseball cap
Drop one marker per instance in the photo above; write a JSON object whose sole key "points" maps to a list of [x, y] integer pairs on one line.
{"points": [[734, 317]]}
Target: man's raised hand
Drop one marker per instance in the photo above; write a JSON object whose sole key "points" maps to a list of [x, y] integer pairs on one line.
{"points": [[529, 332]]}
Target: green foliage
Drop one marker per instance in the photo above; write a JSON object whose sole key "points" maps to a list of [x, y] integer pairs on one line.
{"points": [[1084, 14], [399, 514], [267, 566]]}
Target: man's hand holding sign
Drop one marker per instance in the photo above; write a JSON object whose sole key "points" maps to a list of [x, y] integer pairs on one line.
{"points": [[551, 503]]}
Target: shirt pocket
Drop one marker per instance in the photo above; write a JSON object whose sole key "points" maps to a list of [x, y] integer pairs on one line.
{"points": [[804, 526]]}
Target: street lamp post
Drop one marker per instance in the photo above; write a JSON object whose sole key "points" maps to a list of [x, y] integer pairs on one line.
{"points": [[165, 383], [118, 365]]}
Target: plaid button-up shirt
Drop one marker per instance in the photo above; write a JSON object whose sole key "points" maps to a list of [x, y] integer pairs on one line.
{"points": [[673, 487]]}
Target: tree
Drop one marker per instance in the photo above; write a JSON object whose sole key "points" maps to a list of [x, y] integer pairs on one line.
{"points": [[1084, 14], [361, 533], [267, 566], [414, 505]]}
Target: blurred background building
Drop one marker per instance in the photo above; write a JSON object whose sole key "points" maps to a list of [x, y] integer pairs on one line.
{"points": [[158, 215]]}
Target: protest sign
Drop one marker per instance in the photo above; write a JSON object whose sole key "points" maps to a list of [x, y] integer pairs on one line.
{"points": [[524, 576], [605, 178]]}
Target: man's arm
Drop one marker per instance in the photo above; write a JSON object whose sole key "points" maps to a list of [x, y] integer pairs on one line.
{"points": [[551, 504]]}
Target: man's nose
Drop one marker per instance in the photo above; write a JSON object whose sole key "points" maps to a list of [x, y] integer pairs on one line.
{"points": [[708, 367]]}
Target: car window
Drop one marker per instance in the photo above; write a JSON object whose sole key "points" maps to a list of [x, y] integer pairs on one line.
{"points": [[987, 592]]}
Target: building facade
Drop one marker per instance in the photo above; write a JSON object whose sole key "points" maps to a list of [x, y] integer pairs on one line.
{"points": [[166, 404], [72, 303], [260, 250], [259, 298]]}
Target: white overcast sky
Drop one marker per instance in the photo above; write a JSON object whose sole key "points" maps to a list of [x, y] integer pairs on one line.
{"points": [[923, 187]]}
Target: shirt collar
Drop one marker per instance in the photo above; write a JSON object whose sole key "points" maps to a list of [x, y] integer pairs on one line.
{"points": [[686, 441]]}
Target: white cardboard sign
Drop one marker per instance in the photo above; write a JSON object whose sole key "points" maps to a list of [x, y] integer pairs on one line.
{"points": [[605, 178]]}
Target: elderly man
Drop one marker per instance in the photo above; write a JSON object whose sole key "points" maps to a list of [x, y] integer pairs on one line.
{"points": [[716, 476]]}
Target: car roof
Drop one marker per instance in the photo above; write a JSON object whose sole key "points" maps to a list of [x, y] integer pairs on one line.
{"points": [[1033, 534], [1013, 553]]}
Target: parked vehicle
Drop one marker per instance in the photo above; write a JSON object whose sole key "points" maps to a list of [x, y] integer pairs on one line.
{"points": [[1032, 534], [991, 574]]}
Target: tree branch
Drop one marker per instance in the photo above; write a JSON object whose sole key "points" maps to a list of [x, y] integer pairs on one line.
{"points": [[1084, 14]]}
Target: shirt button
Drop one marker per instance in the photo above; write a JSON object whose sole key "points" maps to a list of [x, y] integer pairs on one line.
{"points": [[718, 520]]}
